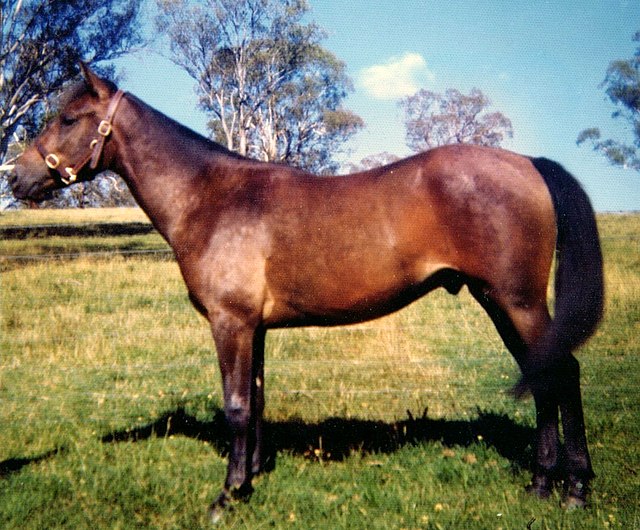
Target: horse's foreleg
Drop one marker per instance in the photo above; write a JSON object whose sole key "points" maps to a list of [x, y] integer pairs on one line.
{"points": [[235, 341]]}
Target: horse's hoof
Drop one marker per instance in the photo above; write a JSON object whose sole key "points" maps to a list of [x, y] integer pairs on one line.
{"points": [[572, 503], [541, 486], [575, 494], [219, 506], [226, 499], [215, 514]]}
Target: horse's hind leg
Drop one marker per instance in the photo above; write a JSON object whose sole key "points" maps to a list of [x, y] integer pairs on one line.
{"points": [[257, 406], [578, 462], [560, 389], [519, 326]]}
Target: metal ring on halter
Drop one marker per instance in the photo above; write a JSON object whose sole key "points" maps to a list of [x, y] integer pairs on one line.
{"points": [[72, 176], [52, 161]]}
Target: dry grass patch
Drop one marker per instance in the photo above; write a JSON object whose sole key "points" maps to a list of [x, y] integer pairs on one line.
{"points": [[71, 216]]}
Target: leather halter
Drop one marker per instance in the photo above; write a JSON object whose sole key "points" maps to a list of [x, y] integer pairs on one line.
{"points": [[70, 174]]}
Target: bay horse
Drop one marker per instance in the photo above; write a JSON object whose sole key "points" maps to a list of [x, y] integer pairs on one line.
{"points": [[263, 246]]}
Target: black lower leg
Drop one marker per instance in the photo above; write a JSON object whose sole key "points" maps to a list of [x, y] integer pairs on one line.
{"points": [[238, 472], [235, 346], [548, 445], [257, 404], [579, 471], [237, 484]]}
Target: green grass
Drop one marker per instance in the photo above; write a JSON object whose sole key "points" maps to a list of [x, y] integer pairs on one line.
{"points": [[18, 252], [110, 405]]}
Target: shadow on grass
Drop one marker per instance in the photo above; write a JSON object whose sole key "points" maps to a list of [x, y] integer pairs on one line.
{"points": [[13, 465], [338, 438], [333, 438]]}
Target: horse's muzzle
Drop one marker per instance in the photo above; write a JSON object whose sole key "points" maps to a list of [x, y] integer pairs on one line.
{"points": [[26, 185]]}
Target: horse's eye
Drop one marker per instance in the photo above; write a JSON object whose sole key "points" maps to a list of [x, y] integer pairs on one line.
{"points": [[68, 120]]}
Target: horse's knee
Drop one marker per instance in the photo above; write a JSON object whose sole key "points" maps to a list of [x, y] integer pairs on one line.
{"points": [[237, 413]]}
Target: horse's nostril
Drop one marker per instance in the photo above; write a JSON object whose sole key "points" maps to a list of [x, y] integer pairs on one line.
{"points": [[13, 175]]}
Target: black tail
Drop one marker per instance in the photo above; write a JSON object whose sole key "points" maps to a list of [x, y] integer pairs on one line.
{"points": [[579, 285]]}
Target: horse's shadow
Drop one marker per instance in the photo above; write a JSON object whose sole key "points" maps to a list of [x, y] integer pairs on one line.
{"points": [[333, 438], [338, 438]]}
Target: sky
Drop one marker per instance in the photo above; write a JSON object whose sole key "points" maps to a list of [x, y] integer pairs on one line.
{"points": [[541, 64]]}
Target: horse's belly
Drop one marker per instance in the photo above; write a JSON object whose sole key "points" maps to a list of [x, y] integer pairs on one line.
{"points": [[347, 292]]}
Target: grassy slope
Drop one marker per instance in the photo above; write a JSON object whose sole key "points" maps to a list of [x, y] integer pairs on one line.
{"points": [[100, 356]]}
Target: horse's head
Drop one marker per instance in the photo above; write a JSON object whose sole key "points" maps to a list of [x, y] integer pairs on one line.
{"points": [[72, 146]]}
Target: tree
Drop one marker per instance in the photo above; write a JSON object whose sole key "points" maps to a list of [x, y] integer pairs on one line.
{"points": [[273, 92], [105, 191], [41, 42], [433, 119], [623, 89], [371, 162], [40, 46]]}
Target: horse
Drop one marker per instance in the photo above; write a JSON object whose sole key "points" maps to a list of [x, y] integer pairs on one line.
{"points": [[263, 246]]}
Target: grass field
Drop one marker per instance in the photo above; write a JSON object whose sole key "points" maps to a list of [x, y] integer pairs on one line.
{"points": [[110, 403]]}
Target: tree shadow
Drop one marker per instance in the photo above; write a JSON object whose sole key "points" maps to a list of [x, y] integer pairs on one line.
{"points": [[14, 465], [335, 439]]}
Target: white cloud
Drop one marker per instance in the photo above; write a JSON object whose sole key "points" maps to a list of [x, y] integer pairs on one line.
{"points": [[398, 77]]}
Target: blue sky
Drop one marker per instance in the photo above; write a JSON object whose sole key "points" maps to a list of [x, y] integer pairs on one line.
{"points": [[541, 63]]}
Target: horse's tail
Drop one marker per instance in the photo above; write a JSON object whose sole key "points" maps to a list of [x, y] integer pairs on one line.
{"points": [[579, 286]]}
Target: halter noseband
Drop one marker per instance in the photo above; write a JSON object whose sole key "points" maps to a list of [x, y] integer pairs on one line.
{"points": [[70, 174]]}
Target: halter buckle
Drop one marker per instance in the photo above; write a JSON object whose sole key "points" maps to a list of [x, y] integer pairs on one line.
{"points": [[70, 174], [104, 129]]}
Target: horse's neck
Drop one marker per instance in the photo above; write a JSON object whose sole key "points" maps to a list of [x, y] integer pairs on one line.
{"points": [[162, 162]]}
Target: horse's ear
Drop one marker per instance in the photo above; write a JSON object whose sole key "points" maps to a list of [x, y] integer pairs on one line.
{"points": [[97, 85]]}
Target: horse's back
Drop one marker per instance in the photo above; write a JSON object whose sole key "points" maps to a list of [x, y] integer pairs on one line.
{"points": [[360, 240]]}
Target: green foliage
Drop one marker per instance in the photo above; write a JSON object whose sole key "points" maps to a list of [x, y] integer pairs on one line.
{"points": [[111, 406], [623, 89]]}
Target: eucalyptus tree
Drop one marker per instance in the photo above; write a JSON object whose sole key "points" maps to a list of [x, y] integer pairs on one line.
{"points": [[434, 119], [273, 92], [41, 42], [622, 84]]}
